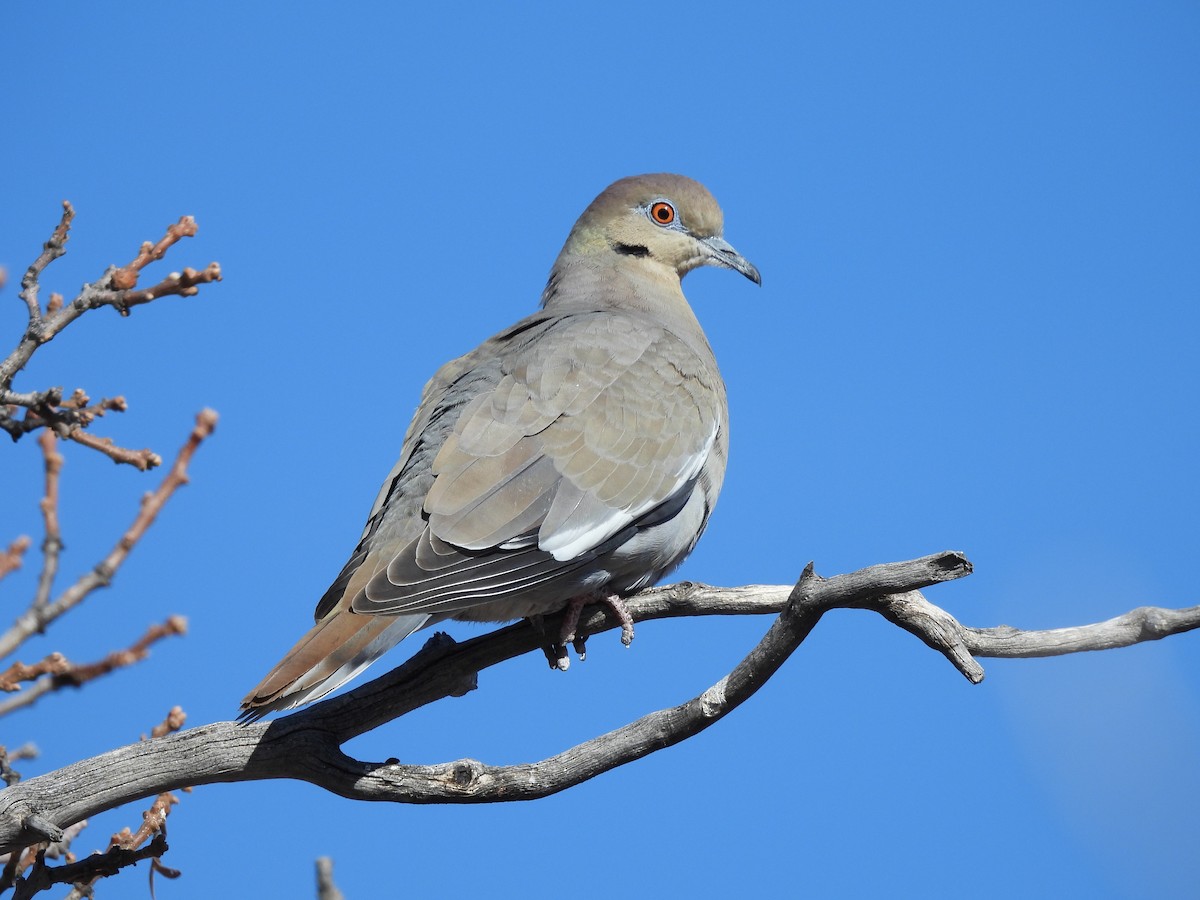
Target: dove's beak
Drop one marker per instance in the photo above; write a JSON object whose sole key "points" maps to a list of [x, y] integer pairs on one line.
{"points": [[722, 254]]}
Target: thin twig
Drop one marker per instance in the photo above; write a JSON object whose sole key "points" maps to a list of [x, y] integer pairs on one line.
{"points": [[183, 284], [153, 821], [51, 250], [10, 559], [174, 720], [86, 411], [11, 678], [52, 542], [36, 618], [56, 672], [326, 888], [8, 774], [68, 418], [34, 335], [89, 869], [116, 288], [127, 277], [140, 459], [29, 696]]}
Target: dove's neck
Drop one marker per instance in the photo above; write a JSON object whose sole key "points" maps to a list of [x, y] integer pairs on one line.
{"points": [[632, 284]]}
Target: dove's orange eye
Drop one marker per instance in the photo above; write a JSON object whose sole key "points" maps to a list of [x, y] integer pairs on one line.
{"points": [[662, 212]]}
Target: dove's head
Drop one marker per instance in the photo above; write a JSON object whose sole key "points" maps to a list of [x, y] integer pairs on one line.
{"points": [[662, 223]]}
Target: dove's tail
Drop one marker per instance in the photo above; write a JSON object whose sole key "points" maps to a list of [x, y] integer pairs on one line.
{"points": [[335, 650]]}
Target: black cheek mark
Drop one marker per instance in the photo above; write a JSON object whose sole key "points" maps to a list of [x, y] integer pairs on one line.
{"points": [[631, 249]]}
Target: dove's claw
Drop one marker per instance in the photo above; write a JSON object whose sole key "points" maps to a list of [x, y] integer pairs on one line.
{"points": [[556, 656], [570, 628], [621, 611]]}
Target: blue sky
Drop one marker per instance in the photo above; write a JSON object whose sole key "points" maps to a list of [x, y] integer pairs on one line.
{"points": [[978, 229]]}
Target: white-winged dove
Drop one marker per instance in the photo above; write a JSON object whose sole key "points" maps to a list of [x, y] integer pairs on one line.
{"points": [[573, 457]]}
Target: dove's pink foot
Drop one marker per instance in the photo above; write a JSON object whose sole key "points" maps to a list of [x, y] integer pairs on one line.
{"points": [[556, 652], [570, 628]]}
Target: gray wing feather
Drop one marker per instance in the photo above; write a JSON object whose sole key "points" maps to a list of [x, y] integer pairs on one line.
{"points": [[583, 425]]}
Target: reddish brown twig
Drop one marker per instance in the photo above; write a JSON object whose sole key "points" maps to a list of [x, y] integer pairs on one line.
{"points": [[56, 672], [127, 276], [119, 659], [86, 411], [37, 617], [175, 720], [11, 678], [152, 503], [140, 459], [153, 821], [182, 284], [10, 559]]}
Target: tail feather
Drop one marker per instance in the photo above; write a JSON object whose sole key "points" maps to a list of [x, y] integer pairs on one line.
{"points": [[333, 651]]}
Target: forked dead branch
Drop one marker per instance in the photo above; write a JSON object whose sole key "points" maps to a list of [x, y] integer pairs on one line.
{"points": [[307, 745]]}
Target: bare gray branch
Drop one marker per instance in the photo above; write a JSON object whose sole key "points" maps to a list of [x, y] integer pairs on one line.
{"points": [[306, 745]]}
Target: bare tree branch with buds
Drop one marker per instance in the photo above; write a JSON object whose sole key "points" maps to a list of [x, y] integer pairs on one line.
{"points": [[117, 287], [69, 418]]}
